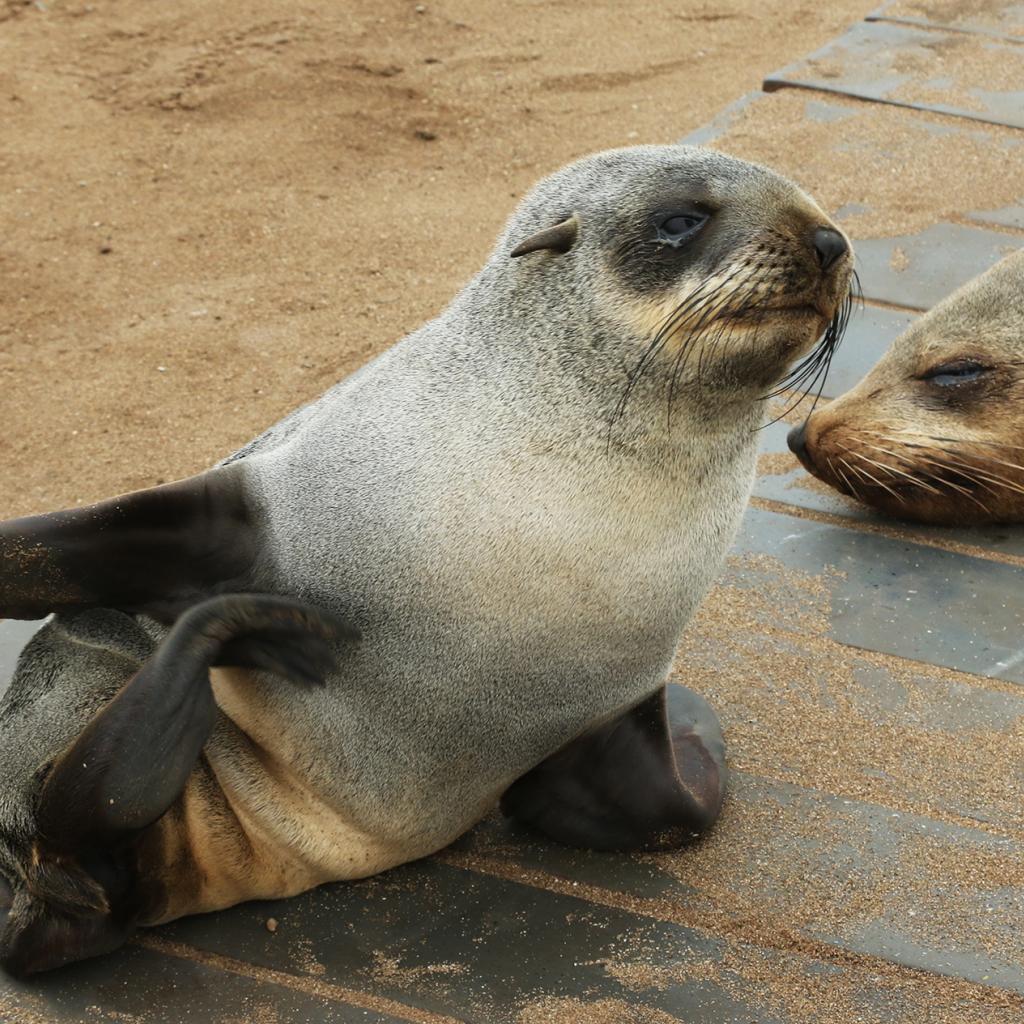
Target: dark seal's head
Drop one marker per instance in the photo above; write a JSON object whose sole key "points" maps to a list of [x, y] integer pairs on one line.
{"points": [[718, 275], [935, 432]]}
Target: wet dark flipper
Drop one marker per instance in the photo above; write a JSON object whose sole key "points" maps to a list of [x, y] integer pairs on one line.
{"points": [[155, 551], [132, 762], [653, 778], [134, 757]]}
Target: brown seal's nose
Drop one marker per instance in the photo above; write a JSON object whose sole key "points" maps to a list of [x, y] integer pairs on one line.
{"points": [[829, 245], [797, 441]]}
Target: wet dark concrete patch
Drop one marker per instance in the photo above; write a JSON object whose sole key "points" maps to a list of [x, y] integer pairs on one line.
{"points": [[144, 987]]}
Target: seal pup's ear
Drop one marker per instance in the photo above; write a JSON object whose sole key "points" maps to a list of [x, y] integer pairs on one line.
{"points": [[560, 238]]}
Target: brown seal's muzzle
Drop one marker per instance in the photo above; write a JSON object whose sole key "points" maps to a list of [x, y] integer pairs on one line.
{"points": [[797, 441]]}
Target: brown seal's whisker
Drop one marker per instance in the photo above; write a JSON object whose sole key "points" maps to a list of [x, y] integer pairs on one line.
{"points": [[960, 440], [842, 476], [944, 482], [870, 476], [893, 470], [966, 469], [853, 490]]}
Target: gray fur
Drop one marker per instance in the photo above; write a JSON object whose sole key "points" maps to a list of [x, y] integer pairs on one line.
{"points": [[470, 521]]}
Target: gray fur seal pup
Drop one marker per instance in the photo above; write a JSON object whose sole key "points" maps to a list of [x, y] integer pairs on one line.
{"points": [[516, 508], [935, 431]]}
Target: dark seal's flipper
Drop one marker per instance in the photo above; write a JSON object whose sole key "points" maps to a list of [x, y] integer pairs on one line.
{"points": [[132, 760], [83, 890], [155, 551], [653, 778]]}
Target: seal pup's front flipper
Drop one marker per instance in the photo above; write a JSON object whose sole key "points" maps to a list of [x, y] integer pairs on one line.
{"points": [[653, 778], [155, 551], [86, 883]]}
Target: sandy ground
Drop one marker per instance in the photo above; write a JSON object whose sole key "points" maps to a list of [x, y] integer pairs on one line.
{"points": [[212, 212]]}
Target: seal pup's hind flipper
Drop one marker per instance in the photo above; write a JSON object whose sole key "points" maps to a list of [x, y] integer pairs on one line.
{"points": [[84, 890], [155, 551], [653, 778]]}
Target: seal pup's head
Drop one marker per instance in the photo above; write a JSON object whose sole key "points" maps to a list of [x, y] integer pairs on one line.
{"points": [[706, 276], [935, 432]]}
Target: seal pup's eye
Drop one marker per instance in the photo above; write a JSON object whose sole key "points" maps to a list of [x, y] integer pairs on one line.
{"points": [[678, 228], [955, 373]]}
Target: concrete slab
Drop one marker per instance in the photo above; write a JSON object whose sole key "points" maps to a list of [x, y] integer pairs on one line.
{"points": [[800, 705], [721, 122], [144, 987], [917, 271], [882, 594], [1011, 216], [951, 73], [859, 876], [999, 19], [487, 950]]}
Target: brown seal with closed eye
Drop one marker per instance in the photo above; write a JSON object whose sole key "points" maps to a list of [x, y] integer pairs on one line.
{"points": [[935, 432]]}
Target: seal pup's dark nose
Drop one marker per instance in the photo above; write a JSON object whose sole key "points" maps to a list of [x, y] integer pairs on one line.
{"points": [[829, 245], [797, 441]]}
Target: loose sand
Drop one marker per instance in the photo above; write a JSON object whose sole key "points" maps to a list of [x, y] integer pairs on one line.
{"points": [[212, 212]]}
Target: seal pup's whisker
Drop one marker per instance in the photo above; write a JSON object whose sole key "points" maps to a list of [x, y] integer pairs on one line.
{"points": [[816, 365], [660, 338], [714, 324], [692, 314]]}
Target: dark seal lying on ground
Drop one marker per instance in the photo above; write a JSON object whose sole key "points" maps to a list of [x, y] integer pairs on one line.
{"points": [[935, 432], [484, 545]]}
